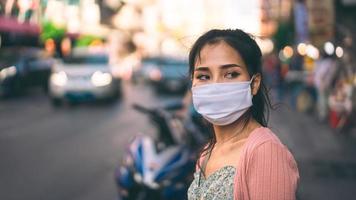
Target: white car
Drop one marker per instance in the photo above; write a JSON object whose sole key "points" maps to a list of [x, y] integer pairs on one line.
{"points": [[83, 77]]}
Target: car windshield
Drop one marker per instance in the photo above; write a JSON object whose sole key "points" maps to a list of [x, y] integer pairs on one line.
{"points": [[86, 60], [174, 68]]}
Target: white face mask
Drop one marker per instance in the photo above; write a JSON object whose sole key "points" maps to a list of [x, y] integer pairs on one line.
{"points": [[222, 103]]}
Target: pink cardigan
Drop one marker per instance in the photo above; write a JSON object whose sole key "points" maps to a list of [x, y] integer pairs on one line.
{"points": [[266, 169]]}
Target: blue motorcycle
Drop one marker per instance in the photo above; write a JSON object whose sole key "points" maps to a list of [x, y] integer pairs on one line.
{"points": [[161, 168]]}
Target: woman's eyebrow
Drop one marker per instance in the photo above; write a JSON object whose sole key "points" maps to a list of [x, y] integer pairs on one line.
{"points": [[200, 68], [226, 66]]}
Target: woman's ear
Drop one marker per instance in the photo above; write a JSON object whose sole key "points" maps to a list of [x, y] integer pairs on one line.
{"points": [[256, 82]]}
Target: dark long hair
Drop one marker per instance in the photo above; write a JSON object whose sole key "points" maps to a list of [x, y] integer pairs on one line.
{"points": [[246, 46]]}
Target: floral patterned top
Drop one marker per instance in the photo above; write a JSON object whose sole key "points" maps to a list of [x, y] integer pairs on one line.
{"points": [[219, 185]]}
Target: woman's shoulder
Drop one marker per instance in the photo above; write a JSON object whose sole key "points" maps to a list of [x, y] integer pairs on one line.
{"points": [[264, 152], [263, 146], [263, 136]]}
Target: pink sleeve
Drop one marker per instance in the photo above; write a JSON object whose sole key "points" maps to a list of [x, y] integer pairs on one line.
{"points": [[272, 173]]}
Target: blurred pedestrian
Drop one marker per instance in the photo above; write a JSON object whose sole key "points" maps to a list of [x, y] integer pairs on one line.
{"points": [[244, 159], [340, 105], [324, 73]]}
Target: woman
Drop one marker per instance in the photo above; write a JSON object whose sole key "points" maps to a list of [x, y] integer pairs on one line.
{"points": [[244, 159]]}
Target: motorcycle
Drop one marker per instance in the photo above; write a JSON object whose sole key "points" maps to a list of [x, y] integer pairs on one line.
{"points": [[160, 168]]}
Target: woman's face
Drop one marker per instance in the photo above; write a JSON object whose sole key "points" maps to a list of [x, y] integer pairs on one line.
{"points": [[220, 63]]}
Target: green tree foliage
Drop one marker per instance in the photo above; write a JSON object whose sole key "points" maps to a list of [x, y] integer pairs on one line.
{"points": [[50, 30]]}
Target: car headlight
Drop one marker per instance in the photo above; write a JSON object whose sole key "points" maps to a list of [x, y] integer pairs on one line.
{"points": [[59, 78], [8, 72], [101, 78]]}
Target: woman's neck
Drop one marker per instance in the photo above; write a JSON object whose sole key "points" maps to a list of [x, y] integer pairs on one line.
{"points": [[235, 132]]}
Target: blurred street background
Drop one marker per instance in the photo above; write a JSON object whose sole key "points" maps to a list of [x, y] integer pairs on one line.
{"points": [[70, 71]]}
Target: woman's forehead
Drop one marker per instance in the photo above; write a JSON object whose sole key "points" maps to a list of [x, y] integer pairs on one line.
{"points": [[218, 54]]}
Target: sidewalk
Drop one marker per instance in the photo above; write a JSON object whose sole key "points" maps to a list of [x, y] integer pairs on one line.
{"points": [[326, 160]]}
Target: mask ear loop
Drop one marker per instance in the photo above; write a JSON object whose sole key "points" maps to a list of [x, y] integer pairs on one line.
{"points": [[251, 81]]}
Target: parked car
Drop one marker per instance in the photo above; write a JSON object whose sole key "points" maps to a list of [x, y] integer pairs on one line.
{"points": [[82, 77], [22, 68], [170, 75]]}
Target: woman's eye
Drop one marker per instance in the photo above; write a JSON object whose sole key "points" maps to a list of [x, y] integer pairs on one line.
{"points": [[202, 77], [231, 75]]}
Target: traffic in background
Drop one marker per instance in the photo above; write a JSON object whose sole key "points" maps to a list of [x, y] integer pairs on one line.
{"points": [[71, 71]]}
